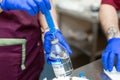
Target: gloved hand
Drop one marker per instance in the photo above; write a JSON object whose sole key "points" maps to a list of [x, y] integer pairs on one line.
{"points": [[47, 42], [30, 6], [111, 53]]}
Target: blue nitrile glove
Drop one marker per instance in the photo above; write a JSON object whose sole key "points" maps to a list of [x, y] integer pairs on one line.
{"points": [[44, 5], [47, 42], [30, 6], [111, 52]]}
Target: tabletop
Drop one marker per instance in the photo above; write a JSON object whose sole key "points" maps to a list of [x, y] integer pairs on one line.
{"points": [[93, 71]]}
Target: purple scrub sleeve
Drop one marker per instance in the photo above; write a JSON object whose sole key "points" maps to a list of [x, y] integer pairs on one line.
{"points": [[114, 3]]}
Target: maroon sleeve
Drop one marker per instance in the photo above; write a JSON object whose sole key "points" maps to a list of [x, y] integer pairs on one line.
{"points": [[114, 3]]}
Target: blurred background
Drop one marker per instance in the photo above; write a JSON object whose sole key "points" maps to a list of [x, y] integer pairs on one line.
{"points": [[79, 23]]}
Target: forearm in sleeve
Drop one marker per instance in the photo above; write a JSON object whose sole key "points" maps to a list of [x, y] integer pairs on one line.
{"points": [[109, 21]]}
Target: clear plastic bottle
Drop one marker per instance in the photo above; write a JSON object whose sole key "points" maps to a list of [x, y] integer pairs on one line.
{"points": [[60, 60]]}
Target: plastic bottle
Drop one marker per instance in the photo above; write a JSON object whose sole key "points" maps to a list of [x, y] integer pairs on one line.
{"points": [[60, 60]]}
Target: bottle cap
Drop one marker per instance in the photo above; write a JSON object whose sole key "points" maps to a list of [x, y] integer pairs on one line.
{"points": [[81, 74], [54, 41]]}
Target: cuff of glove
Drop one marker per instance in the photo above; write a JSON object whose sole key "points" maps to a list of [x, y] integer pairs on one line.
{"points": [[116, 39]]}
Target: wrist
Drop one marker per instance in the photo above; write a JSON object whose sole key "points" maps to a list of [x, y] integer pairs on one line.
{"points": [[111, 37], [113, 32], [47, 29]]}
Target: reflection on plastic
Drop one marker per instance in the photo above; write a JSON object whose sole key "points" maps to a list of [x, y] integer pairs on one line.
{"points": [[104, 76]]}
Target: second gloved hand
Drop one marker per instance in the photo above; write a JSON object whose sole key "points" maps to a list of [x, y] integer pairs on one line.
{"points": [[30, 6], [111, 53], [47, 42]]}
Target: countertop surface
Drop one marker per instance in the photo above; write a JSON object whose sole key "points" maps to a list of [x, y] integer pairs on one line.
{"points": [[93, 71]]}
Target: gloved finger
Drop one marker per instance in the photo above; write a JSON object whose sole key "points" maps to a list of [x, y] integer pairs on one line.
{"points": [[41, 5], [46, 55], [27, 8], [33, 6], [47, 3], [48, 61], [47, 46], [66, 46], [31, 12], [118, 62], [62, 41], [48, 36], [111, 61], [105, 59]]}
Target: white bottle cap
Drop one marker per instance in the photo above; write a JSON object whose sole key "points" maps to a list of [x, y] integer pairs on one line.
{"points": [[54, 41]]}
